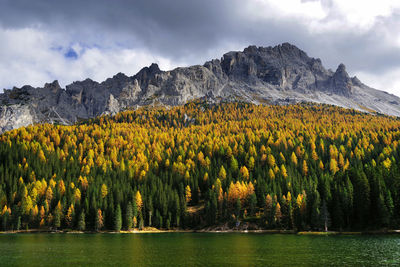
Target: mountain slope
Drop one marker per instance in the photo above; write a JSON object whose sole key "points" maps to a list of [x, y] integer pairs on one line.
{"points": [[278, 75]]}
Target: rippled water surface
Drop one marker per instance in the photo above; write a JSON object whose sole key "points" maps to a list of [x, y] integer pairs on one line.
{"points": [[198, 249]]}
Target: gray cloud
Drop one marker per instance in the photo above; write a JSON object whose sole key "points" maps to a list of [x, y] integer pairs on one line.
{"points": [[190, 32], [176, 28]]}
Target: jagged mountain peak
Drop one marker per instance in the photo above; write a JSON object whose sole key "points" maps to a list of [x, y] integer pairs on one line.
{"points": [[119, 76], [340, 82], [150, 70], [282, 51], [53, 85], [341, 68], [281, 74], [341, 72], [357, 81]]}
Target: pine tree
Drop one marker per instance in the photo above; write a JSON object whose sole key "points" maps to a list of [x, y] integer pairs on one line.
{"points": [[138, 201], [19, 223], [268, 211], [238, 208], [325, 217], [234, 164], [129, 216], [333, 166], [99, 223], [278, 214], [252, 204], [117, 219], [244, 173], [4, 220], [57, 219], [104, 191], [141, 221], [222, 173], [81, 221], [188, 194], [294, 158]]}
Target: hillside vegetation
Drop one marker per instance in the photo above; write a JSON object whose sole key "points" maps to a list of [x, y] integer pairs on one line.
{"points": [[282, 167]]}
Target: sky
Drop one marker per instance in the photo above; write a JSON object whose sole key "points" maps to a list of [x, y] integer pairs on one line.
{"points": [[44, 40]]}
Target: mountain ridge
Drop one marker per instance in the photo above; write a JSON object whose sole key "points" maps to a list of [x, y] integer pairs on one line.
{"points": [[282, 74]]}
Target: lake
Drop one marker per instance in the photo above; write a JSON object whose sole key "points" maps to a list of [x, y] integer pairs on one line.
{"points": [[198, 249]]}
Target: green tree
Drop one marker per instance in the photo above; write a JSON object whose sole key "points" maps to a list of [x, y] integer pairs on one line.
{"points": [[4, 221], [81, 221], [19, 223], [57, 219], [238, 208], [269, 211], [325, 217], [252, 204], [117, 219], [129, 216]]}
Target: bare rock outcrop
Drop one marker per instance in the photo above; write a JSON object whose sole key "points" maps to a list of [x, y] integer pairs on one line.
{"points": [[282, 74]]}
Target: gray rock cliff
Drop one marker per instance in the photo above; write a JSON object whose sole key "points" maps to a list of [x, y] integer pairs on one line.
{"points": [[282, 74]]}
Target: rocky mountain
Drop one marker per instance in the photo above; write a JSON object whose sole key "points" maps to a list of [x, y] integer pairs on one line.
{"points": [[282, 74]]}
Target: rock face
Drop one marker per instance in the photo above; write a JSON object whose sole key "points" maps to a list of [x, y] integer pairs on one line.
{"points": [[273, 75]]}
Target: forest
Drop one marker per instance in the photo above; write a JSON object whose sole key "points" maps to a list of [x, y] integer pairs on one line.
{"points": [[300, 167]]}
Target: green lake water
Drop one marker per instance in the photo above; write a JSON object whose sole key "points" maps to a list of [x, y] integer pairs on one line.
{"points": [[198, 249]]}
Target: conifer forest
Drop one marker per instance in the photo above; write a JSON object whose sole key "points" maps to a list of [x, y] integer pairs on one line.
{"points": [[299, 167]]}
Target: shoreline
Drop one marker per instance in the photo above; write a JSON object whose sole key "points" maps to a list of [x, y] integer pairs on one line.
{"points": [[158, 231]]}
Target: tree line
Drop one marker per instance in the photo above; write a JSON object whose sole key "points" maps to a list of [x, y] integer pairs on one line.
{"points": [[301, 167]]}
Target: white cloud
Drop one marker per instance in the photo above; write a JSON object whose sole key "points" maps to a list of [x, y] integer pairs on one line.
{"points": [[32, 56], [287, 8], [389, 81], [363, 34], [364, 13], [325, 15]]}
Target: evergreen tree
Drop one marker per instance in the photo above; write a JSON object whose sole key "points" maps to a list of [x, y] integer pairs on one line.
{"points": [[117, 219], [252, 204], [238, 208], [269, 211], [18, 223], [57, 219], [4, 221], [99, 222], [129, 216], [325, 217], [81, 221], [141, 222]]}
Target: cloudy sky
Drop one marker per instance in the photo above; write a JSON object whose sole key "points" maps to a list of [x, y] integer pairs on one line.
{"points": [[43, 40]]}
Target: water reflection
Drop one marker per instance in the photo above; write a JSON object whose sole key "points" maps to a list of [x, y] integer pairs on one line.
{"points": [[197, 249]]}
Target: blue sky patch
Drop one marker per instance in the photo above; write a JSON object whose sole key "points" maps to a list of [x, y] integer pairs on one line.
{"points": [[71, 54]]}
